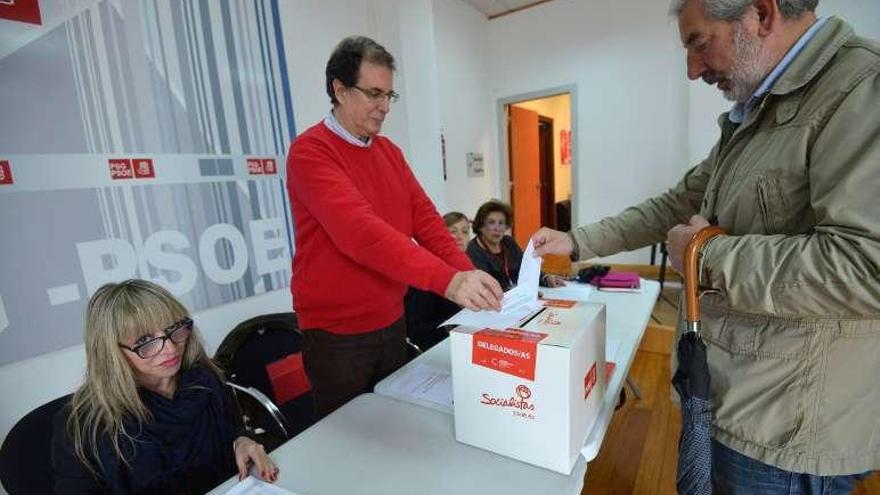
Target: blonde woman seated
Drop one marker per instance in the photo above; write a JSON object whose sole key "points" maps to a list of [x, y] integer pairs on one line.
{"points": [[152, 415], [495, 252]]}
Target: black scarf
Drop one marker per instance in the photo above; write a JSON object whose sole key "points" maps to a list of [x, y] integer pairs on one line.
{"points": [[186, 448]]}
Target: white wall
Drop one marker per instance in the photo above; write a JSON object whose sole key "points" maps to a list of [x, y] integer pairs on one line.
{"points": [[467, 108], [706, 103], [312, 28], [631, 103]]}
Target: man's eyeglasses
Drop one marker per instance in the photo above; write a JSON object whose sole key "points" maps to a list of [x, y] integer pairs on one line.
{"points": [[177, 332], [377, 96]]}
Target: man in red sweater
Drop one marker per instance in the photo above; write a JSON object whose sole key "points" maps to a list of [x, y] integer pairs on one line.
{"points": [[357, 209]]}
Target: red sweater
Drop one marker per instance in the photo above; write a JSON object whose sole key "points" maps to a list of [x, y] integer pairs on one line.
{"points": [[356, 212]]}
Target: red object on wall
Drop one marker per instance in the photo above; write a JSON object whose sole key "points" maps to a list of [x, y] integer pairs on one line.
{"points": [[565, 147], [269, 166], [5, 172], [21, 10], [120, 168], [288, 377], [143, 168], [255, 166]]}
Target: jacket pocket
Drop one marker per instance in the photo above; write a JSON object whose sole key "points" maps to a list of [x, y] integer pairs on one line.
{"points": [[847, 402], [770, 203], [758, 377]]}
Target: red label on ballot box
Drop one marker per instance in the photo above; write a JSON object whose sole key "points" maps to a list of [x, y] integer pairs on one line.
{"points": [[510, 351], [558, 303], [590, 381]]}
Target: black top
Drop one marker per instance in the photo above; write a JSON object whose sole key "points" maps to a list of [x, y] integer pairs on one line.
{"points": [[425, 311], [505, 267], [185, 449]]}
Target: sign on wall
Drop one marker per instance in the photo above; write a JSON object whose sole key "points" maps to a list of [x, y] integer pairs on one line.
{"points": [[152, 151]]}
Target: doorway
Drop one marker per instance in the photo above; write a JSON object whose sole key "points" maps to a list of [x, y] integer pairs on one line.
{"points": [[537, 134]]}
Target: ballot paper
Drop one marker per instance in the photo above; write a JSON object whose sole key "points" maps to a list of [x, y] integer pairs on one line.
{"points": [[424, 382], [571, 291], [253, 486], [518, 304]]}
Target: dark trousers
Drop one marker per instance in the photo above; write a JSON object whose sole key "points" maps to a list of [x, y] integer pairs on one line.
{"points": [[341, 367], [735, 474]]}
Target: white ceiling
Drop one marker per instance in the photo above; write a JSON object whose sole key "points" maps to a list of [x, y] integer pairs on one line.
{"points": [[495, 8]]}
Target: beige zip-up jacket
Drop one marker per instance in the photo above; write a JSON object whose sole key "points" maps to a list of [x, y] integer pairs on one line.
{"points": [[793, 331]]}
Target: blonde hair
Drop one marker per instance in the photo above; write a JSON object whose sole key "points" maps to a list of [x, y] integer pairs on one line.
{"points": [[108, 397]]}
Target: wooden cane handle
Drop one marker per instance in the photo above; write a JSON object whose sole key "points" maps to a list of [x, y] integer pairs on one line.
{"points": [[691, 275]]}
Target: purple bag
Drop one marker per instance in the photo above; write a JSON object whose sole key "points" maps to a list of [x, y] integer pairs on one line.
{"points": [[618, 281]]}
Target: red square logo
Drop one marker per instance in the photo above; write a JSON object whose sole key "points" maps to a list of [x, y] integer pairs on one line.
{"points": [[21, 10], [120, 168], [269, 166], [5, 172], [143, 168], [255, 166]]}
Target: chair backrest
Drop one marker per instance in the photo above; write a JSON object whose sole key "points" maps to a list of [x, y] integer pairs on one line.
{"points": [[265, 353], [261, 416], [26, 455]]}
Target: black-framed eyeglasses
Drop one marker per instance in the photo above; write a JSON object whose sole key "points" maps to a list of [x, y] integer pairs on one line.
{"points": [[177, 332], [378, 96]]}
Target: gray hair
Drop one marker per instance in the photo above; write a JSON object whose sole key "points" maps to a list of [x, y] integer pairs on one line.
{"points": [[733, 10]]}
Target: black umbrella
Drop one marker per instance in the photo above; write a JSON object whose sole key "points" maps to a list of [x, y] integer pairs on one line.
{"points": [[692, 380]]}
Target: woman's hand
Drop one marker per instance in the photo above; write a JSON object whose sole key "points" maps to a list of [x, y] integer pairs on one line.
{"points": [[248, 451], [554, 281]]}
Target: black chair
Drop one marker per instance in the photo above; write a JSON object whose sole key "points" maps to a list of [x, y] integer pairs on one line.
{"points": [[26, 455], [246, 356]]}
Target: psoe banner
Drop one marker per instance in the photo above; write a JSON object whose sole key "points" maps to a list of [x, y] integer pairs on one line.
{"points": [[215, 237]]}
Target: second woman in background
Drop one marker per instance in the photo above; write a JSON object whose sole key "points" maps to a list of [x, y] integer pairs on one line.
{"points": [[495, 252], [425, 311]]}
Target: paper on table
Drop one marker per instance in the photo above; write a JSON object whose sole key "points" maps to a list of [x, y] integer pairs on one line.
{"points": [[518, 303], [424, 382], [570, 291], [253, 486]]}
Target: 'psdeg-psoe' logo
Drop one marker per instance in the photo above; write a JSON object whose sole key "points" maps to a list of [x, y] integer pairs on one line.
{"points": [[520, 403]]}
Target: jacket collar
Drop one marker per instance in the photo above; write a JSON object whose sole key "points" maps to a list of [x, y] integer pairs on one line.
{"points": [[814, 57]]}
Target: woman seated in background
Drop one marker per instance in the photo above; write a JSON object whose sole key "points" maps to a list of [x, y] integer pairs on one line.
{"points": [[152, 414], [495, 252], [425, 311]]}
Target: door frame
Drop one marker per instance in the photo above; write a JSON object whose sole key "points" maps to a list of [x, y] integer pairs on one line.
{"points": [[503, 185], [546, 170]]}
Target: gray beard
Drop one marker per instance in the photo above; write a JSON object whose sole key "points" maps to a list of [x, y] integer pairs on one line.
{"points": [[749, 66]]}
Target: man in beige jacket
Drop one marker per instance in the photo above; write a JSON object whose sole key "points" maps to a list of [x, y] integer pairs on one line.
{"points": [[793, 326]]}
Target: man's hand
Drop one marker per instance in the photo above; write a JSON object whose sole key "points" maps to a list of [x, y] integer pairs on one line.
{"points": [[549, 241], [475, 290], [678, 238]]}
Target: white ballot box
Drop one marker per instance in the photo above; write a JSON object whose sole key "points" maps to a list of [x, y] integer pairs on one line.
{"points": [[531, 393]]}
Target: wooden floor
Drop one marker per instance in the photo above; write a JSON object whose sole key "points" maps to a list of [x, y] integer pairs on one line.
{"points": [[639, 453]]}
